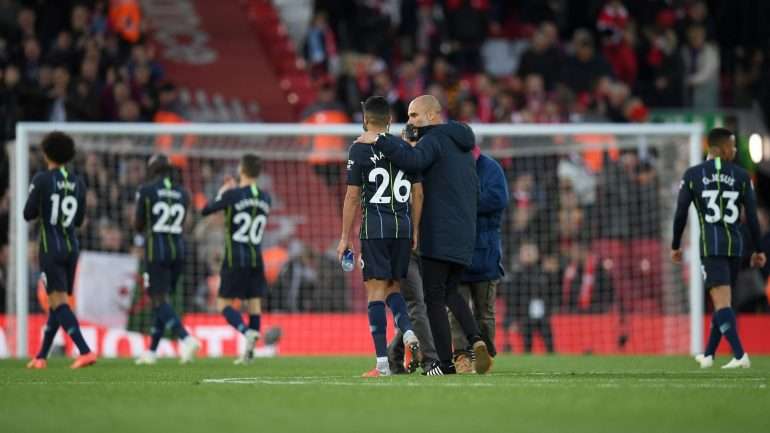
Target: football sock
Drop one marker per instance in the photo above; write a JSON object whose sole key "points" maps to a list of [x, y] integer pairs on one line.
{"points": [[378, 324], [70, 324], [714, 337], [51, 328], [157, 331], [382, 364], [397, 305], [726, 320], [170, 320], [234, 319], [255, 321]]}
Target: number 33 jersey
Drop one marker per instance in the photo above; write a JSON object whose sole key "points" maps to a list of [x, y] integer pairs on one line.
{"points": [[58, 198], [246, 209], [718, 189], [385, 193], [161, 210]]}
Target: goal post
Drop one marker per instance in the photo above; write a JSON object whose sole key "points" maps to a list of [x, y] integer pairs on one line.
{"points": [[554, 155]]}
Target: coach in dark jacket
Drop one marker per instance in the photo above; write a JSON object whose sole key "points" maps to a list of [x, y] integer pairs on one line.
{"points": [[448, 227], [480, 280]]}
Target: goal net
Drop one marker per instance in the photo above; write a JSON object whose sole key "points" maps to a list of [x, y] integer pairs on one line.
{"points": [[585, 238]]}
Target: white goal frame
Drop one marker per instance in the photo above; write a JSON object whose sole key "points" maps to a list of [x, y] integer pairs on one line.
{"points": [[18, 292]]}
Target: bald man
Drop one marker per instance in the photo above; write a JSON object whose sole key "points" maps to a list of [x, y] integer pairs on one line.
{"points": [[447, 232]]}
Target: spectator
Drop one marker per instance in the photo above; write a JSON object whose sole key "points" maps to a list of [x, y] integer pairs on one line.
{"points": [[486, 90], [62, 53], [31, 62], [309, 282], [586, 285], [701, 62], [529, 301], [410, 83], [129, 111], [110, 236], [59, 94], [584, 68], [467, 23], [542, 58], [661, 71], [697, 14], [10, 108], [26, 26], [320, 46], [326, 101]]}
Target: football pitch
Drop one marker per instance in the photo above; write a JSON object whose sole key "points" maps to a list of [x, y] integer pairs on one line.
{"points": [[522, 394]]}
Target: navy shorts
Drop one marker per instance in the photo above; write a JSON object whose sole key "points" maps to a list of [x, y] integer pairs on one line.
{"points": [[58, 272], [719, 271], [162, 278], [385, 259], [242, 283]]}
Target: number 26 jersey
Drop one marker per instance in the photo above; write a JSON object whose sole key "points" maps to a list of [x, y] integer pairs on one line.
{"points": [[385, 193]]}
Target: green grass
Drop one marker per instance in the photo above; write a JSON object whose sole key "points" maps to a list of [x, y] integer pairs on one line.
{"points": [[309, 395]]}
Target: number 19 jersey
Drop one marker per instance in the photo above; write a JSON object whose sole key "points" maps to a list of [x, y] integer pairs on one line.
{"points": [[385, 193], [58, 198], [161, 209], [718, 189]]}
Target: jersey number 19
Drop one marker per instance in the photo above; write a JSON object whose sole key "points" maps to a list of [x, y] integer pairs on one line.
{"points": [[69, 207]]}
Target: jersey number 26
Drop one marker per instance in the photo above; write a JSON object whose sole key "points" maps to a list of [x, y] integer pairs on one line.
{"points": [[401, 187]]}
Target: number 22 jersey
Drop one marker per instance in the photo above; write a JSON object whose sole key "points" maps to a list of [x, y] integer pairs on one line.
{"points": [[718, 189], [161, 209]]}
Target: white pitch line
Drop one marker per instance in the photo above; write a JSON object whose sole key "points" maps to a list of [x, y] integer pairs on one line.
{"points": [[541, 383]]}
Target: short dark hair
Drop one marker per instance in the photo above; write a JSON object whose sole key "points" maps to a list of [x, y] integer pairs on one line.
{"points": [[377, 110], [251, 165], [58, 147], [718, 137], [158, 165]]}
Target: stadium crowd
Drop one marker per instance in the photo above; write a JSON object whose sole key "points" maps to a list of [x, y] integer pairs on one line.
{"points": [[497, 61]]}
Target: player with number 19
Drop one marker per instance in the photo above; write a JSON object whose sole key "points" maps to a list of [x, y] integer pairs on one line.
{"points": [[246, 208], [161, 209], [57, 198], [719, 188]]}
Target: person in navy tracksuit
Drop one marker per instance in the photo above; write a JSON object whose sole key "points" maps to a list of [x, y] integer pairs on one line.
{"points": [[480, 280]]}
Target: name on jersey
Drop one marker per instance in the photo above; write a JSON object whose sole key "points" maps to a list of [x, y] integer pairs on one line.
{"points": [[169, 193], [252, 202], [719, 177], [65, 185], [376, 157]]}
